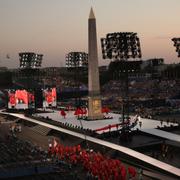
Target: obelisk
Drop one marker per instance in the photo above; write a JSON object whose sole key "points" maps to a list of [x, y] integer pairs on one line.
{"points": [[94, 99]]}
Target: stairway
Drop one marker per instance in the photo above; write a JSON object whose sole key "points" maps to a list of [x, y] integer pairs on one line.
{"points": [[41, 130]]}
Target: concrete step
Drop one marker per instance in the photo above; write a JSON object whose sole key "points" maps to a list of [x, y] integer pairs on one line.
{"points": [[41, 130]]}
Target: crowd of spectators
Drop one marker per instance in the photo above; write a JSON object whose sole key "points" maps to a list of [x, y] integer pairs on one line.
{"points": [[20, 159], [147, 98], [16, 151], [95, 164], [143, 90]]}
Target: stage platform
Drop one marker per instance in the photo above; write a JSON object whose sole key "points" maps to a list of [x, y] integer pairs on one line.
{"points": [[71, 119], [163, 134]]}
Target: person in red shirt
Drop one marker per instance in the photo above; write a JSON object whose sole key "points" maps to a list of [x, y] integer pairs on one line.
{"points": [[63, 113]]}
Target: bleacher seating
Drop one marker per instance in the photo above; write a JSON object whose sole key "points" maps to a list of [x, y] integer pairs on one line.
{"points": [[41, 130], [22, 160]]}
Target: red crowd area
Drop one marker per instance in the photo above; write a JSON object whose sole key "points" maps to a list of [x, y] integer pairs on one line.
{"points": [[96, 164]]}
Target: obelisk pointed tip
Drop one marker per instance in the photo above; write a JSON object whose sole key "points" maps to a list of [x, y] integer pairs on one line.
{"points": [[91, 15]]}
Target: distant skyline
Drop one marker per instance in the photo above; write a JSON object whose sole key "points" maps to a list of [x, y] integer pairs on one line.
{"points": [[57, 27]]}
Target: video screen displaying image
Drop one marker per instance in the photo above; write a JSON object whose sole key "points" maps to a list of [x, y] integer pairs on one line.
{"points": [[49, 97], [20, 99]]}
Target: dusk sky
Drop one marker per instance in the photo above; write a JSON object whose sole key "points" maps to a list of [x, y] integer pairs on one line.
{"points": [[56, 27]]}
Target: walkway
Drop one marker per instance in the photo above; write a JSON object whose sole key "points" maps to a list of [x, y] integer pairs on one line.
{"points": [[163, 134], [139, 156]]}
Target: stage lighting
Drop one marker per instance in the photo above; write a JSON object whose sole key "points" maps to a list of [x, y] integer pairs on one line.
{"points": [[76, 59], [77, 62], [30, 60], [177, 45], [121, 46]]}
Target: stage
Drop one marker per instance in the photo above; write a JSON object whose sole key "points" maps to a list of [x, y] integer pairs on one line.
{"points": [[101, 126]]}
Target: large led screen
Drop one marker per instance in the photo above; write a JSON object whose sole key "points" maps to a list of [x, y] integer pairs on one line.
{"points": [[49, 97], [20, 99]]}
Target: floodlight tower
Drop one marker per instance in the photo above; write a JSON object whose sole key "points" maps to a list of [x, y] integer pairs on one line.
{"points": [[30, 60], [122, 46], [30, 63], [77, 61], [28, 74], [177, 45]]}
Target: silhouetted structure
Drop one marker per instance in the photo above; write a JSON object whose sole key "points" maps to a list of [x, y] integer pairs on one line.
{"points": [[30, 60], [121, 47], [177, 45], [77, 62], [76, 59]]}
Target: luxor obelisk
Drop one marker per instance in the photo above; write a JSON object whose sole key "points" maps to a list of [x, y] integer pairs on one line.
{"points": [[94, 99]]}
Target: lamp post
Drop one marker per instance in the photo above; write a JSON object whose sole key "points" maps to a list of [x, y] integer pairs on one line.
{"points": [[121, 47]]}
